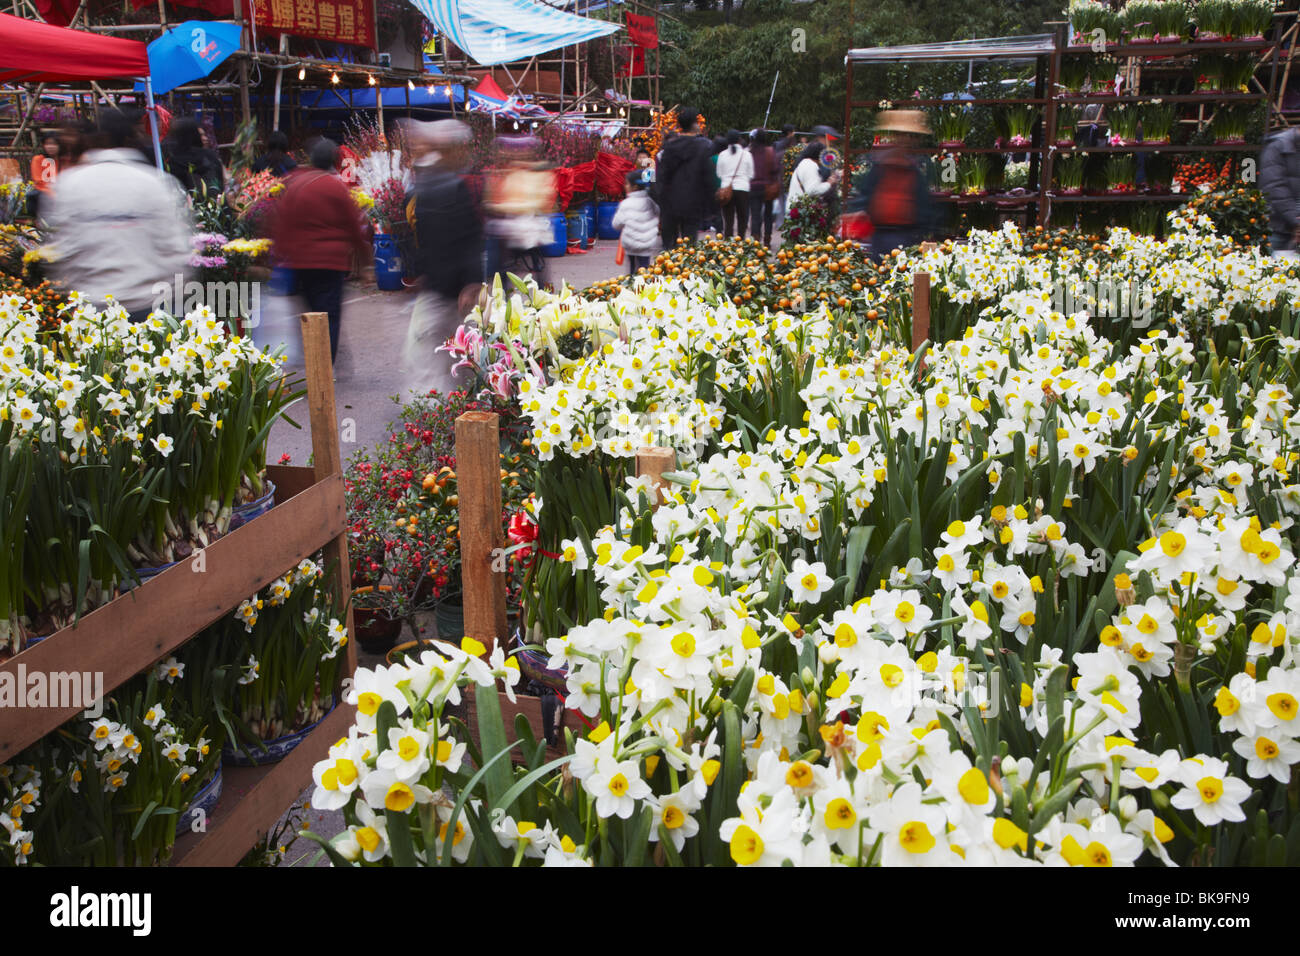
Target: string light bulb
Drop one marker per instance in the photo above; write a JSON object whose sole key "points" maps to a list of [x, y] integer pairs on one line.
{"points": [[334, 77], [410, 84], [370, 78], [302, 73]]}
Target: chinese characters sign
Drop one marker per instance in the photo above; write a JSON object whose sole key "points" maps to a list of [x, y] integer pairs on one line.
{"points": [[343, 21]]}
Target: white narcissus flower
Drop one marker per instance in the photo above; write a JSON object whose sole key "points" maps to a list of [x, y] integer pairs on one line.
{"points": [[617, 787], [1209, 792], [807, 582]]}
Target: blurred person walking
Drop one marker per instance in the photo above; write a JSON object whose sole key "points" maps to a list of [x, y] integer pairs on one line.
{"points": [[448, 250], [735, 171], [895, 192], [315, 231], [118, 226], [1279, 179], [637, 219]]}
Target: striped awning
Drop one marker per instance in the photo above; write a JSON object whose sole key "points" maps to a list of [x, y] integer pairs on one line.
{"points": [[499, 31]]}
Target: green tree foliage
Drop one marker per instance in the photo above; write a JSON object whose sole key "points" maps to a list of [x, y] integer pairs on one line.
{"points": [[726, 70]]}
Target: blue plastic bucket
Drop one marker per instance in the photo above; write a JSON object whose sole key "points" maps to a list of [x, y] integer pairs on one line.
{"points": [[388, 264], [577, 227], [605, 220], [559, 237]]}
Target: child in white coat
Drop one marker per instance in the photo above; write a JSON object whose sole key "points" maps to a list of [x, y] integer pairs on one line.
{"points": [[637, 219]]}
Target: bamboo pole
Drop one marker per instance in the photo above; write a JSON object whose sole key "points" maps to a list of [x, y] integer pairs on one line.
{"points": [[478, 484]]}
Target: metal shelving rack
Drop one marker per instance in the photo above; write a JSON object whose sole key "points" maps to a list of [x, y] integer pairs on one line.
{"points": [[1046, 52]]}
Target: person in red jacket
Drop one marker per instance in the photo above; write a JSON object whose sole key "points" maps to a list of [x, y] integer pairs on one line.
{"points": [[315, 230]]}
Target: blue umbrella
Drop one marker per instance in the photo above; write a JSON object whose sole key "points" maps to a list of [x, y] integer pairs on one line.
{"points": [[190, 52]]}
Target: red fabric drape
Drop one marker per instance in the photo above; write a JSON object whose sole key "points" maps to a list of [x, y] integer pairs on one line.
{"points": [[611, 174]]}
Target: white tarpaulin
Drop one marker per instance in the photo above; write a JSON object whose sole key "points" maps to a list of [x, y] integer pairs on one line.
{"points": [[499, 31]]}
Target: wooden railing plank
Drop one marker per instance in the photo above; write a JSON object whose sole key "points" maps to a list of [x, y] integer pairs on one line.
{"points": [[126, 636], [233, 827]]}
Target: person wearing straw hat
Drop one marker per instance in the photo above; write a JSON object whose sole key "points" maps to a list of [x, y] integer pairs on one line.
{"points": [[895, 192]]}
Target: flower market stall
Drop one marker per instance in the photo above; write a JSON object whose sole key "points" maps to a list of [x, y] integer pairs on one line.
{"points": [[126, 568], [1022, 591], [1110, 121]]}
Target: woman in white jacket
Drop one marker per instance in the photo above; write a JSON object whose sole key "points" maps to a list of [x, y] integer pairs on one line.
{"points": [[807, 178], [637, 219], [735, 170]]}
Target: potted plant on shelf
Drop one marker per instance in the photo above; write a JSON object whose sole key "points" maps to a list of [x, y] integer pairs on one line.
{"points": [[1236, 72], [1074, 74], [1019, 122], [1123, 122], [1209, 76], [1251, 19], [1229, 126], [1158, 169], [1121, 175], [1139, 18], [974, 175], [1157, 121], [952, 125], [1067, 123], [1091, 22], [1069, 174], [1214, 19], [1172, 20]]}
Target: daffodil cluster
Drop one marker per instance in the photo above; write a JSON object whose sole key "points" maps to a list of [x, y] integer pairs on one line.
{"points": [[108, 791], [1033, 551], [393, 773], [126, 446]]}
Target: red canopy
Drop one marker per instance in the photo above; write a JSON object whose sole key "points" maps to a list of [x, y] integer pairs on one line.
{"points": [[489, 87], [32, 52]]}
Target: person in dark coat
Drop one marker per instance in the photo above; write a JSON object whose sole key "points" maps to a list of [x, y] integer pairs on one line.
{"points": [[1279, 179], [448, 249], [764, 188], [197, 168], [684, 182]]}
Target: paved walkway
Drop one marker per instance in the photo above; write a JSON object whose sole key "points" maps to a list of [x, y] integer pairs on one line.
{"points": [[368, 370]]}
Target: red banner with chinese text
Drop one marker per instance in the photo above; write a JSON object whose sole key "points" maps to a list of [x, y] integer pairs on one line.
{"points": [[342, 21], [643, 31]]}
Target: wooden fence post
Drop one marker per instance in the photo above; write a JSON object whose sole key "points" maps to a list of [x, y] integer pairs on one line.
{"points": [[653, 462], [478, 484], [327, 454], [920, 309]]}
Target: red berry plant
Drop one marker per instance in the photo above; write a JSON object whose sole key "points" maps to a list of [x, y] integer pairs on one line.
{"points": [[403, 506]]}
